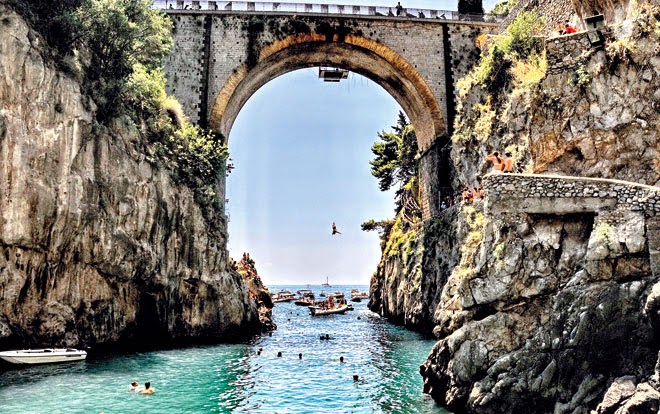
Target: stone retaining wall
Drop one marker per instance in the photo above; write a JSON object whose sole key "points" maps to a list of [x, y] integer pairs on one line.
{"points": [[555, 11], [532, 193], [567, 51]]}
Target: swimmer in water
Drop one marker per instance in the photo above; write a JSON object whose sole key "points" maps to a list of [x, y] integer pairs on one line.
{"points": [[147, 389], [134, 386]]}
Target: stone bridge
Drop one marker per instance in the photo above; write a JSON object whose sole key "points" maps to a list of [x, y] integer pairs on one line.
{"points": [[222, 56], [629, 208]]}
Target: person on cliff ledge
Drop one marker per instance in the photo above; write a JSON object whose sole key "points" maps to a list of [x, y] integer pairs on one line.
{"points": [[497, 162], [569, 29], [507, 166], [334, 229], [399, 8]]}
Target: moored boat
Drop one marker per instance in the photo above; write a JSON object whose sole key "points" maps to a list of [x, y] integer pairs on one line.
{"points": [[320, 311], [283, 296], [306, 298], [357, 296], [43, 356]]}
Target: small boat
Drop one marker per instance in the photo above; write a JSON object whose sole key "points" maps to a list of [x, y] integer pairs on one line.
{"points": [[319, 311], [356, 296], [306, 299], [322, 294], [326, 284], [43, 356], [283, 296]]}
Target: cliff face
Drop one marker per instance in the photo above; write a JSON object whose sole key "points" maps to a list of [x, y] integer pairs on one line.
{"points": [[555, 301], [549, 293], [414, 266], [97, 243]]}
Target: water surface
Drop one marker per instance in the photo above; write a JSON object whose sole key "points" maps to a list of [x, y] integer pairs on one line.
{"points": [[233, 378]]}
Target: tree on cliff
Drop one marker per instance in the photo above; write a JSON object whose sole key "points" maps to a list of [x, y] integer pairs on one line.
{"points": [[395, 153], [102, 40], [470, 7], [120, 35], [396, 163]]}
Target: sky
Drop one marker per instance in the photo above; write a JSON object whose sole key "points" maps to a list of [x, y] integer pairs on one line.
{"points": [[301, 150]]}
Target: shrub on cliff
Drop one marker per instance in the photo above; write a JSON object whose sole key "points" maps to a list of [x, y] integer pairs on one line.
{"points": [[503, 8], [396, 162], [519, 42], [119, 36], [112, 37], [197, 156], [510, 64]]}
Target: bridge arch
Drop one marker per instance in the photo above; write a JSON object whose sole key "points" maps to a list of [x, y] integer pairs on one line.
{"points": [[355, 53]]}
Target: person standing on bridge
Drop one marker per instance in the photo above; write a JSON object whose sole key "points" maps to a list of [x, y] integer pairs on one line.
{"points": [[399, 8]]}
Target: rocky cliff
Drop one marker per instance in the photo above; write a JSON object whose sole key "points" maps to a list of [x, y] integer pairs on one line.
{"points": [[549, 302], [97, 243], [414, 266]]}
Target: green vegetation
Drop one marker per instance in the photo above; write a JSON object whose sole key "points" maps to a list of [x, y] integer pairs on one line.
{"points": [[511, 64], [115, 48], [504, 7], [582, 76], [498, 56], [395, 163], [475, 220]]}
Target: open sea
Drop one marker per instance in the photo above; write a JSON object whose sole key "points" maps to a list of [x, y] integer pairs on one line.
{"points": [[233, 378]]}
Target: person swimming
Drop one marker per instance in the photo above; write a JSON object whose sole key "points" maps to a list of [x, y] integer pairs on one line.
{"points": [[147, 389], [134, 386]]}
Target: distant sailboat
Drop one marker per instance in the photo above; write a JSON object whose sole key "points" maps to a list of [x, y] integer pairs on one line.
{"points": [[326, 284]]}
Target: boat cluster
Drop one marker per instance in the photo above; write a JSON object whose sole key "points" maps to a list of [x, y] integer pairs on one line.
{"points": [[334, 303]]}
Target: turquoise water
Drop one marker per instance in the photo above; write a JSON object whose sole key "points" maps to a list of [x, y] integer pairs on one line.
{"points": [[233, 378]]}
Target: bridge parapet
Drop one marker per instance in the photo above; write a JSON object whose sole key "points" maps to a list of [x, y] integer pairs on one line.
{"points": [[324, 9], [531, 193]]}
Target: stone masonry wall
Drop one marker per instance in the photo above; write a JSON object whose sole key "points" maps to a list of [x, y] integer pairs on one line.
{"points": [[561, 194], [555, 11], [185, 65], [565, 52], [618, 204], [418, 42]]}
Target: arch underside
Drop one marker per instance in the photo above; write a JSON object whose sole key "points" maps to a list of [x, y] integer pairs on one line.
{"points": [[395, 75]]}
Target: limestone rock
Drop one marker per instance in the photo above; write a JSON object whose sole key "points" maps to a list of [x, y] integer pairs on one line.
{"points": [[97, 243]]}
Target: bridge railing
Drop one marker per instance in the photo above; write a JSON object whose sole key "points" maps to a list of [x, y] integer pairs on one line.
{"points": [[337, 9]]}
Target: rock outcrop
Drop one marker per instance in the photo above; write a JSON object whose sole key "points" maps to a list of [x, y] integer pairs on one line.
{"points": [[97, 243], [415, 264], [549, 301], [258, 292], [554, 304]]}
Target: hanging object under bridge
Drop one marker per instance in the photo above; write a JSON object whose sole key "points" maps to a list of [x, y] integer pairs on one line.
{"points": [[330, 74]]}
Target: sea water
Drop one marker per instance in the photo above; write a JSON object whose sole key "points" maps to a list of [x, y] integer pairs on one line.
{"points": [[234, 378]]}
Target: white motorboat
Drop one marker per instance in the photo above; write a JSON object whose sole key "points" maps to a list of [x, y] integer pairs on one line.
{"points": [[320, 311], [43, 356]]}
